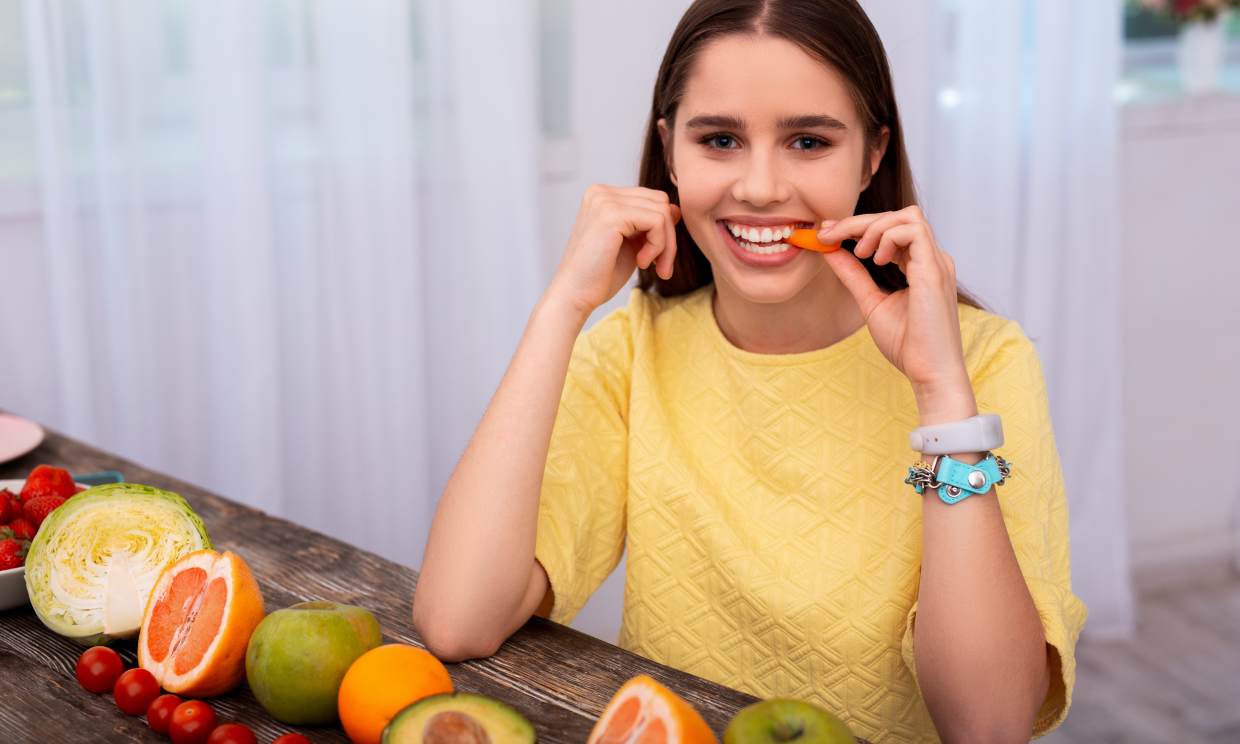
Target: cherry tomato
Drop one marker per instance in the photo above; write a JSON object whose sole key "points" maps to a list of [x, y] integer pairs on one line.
{"points": [[135, 690], [232, 733], [159, 712], [192, 723], [98, 669], [291, 739]]}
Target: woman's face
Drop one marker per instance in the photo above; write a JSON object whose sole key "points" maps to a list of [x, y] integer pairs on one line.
{"points": [[765, 136]]}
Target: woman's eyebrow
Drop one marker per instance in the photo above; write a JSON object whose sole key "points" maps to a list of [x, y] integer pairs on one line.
{"points": [[804, 121]]}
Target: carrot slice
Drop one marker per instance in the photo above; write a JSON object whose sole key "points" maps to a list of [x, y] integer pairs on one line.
{"points": [[808, 239]]}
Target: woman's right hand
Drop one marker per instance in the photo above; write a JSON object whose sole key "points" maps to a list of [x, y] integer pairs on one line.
{"points": [[617, 230]]}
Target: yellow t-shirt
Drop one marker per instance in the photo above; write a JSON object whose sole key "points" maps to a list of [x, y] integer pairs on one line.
{"points": [[773, 545]]}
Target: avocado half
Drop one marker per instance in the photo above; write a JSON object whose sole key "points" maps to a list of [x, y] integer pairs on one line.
{"points": [[458, 718]]}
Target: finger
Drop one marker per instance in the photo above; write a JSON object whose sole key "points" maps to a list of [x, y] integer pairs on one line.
{"points": [[641, 192], [856, 225], [645, 200], [893, 241], [912, 244], [857, 280], [640, 219], [667, 259], [666, 252], [867, 246], [848, 227]]}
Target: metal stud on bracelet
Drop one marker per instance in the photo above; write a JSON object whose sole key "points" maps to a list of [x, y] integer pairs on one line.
{"points": [[922, 475]]}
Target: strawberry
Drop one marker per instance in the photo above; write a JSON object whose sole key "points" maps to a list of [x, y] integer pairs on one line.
{"points": [[12, 554], [21, 528], [46, 480], [6, 509], [37, 509], [14, 501]]}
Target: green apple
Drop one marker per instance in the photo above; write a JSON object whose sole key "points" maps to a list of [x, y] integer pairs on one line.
{"points": [[298, 656], [781, 720]]}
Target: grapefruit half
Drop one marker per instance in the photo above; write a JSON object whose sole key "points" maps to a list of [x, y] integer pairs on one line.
{"points": [[645, 712], [198, 622]]}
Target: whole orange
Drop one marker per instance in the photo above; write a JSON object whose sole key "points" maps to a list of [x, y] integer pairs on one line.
{"points": [[381, 682]]}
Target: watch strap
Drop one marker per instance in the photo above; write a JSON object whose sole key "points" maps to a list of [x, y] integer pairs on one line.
{"points": [[980, 433], [955, 481]]}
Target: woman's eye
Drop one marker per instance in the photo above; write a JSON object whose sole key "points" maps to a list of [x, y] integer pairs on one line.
{"points": [[811, 143], [719, 141], [728, 142]]}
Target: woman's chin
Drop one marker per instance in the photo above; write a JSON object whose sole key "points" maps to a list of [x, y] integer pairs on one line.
{"points": [[764, 286]]}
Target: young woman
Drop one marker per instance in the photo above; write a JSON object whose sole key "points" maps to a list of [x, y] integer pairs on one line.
{"points": [[742, 427]]}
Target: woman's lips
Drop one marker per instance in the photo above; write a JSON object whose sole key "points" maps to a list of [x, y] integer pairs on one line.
{"points": [[757, 260]]}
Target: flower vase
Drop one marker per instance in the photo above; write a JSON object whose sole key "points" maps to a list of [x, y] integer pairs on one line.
{"points": [[1200, 55]]}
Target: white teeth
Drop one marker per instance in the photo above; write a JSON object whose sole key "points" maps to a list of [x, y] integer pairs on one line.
{"points": [[761, 240], [760, 234], [763, 249]]}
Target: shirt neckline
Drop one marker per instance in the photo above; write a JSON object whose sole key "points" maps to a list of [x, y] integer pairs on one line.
{"points": [[706, 316]]}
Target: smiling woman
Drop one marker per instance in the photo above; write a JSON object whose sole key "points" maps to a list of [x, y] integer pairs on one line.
{"points": [[741, 428], [839, 68]]}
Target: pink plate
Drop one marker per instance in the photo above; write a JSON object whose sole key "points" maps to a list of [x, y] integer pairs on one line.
{"points": [[17, 436]]}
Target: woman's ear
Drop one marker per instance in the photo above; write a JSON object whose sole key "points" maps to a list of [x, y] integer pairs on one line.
{"points": [[876, 156], [666, 136]]}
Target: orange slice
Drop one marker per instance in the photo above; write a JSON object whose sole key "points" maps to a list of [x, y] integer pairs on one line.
{"points": [[645, 712], [198, 622]]}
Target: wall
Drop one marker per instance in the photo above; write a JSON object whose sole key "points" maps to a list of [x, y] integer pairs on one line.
{"points": [[1180, 164]]}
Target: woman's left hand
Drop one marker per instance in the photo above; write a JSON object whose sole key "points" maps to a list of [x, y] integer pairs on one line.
{"points": [[917, 328]]}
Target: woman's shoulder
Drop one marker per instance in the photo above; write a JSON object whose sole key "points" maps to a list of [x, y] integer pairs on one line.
{"points": [[646, 310], [991, 341]]}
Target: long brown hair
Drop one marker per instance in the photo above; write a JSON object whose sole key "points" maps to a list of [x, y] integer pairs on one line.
{"points": [[839, 33]]}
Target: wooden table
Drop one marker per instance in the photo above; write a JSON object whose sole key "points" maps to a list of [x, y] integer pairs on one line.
{"points": [[557, 677]]}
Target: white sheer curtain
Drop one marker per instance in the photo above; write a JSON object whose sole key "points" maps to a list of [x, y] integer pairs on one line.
{"points": [[1013, 131], [285, 249], [282, 249]]}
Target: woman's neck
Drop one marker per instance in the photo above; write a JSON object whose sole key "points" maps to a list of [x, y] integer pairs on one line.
{"points": [[823, 313]]}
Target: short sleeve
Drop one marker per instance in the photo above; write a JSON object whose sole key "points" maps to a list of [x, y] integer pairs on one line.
{"points": [[1009, 382], [581, 508]]}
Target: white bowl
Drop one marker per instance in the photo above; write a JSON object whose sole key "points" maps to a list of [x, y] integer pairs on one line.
{"points": [[13, 588], [13, 581]]}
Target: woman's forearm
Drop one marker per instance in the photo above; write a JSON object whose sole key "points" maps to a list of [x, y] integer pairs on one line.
{"points": [[478, 578], [980, 649]]}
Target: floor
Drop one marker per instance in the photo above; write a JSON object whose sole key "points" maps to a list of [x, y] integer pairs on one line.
{"points": [[1177, 681]]}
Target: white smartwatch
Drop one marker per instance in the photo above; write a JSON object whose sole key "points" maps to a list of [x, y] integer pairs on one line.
{"points": [[978, 434]]}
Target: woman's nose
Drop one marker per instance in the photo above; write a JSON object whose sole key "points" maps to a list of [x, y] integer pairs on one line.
{"points": [[759, 183]]}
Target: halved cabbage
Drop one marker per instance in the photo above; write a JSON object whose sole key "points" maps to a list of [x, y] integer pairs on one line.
{"points": [[95, 559]]}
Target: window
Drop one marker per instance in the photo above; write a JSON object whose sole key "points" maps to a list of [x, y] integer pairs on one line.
{"points": [[1150, 65]]}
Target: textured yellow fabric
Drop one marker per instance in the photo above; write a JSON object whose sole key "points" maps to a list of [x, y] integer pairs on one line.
{"points": [[772, 543]]}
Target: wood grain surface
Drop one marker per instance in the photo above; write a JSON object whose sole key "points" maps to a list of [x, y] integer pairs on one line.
{"points": [[557, 677]]}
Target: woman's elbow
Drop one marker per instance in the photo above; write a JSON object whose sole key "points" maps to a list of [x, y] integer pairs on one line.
{"points": [[451, 641], [450, 646]]}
